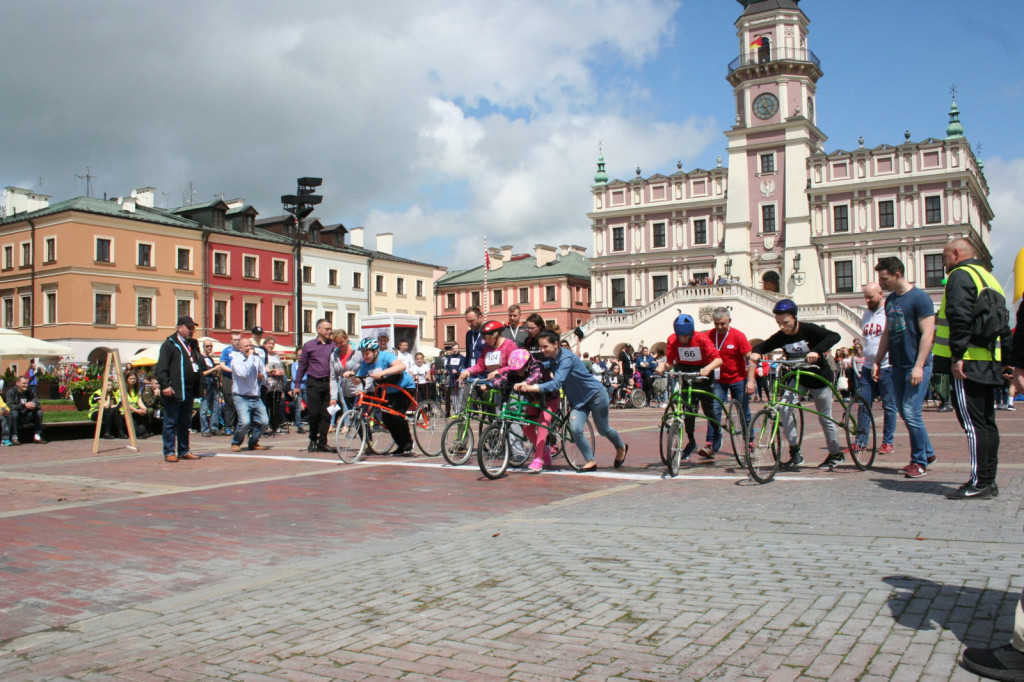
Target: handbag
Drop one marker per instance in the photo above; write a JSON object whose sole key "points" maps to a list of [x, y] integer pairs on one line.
{"points": [[843, 384]]}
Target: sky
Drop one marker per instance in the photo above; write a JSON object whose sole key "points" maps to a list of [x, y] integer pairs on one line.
{"points": [[443, 122]]}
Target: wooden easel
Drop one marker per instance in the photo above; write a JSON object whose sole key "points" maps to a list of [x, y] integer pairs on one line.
{"points": [[113, 359]]}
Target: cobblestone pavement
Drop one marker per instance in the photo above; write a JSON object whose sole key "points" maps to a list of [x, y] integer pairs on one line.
{"points": [[291, 566]]}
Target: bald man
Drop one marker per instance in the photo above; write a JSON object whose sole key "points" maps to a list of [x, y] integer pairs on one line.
{"points": [[873, 326], [975, 371]]}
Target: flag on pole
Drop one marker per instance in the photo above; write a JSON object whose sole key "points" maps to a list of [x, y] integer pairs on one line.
{"points": [[758, 43], [487, 267]]}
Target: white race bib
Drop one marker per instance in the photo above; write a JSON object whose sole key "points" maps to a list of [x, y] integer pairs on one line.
{"points": [[690, 354], [492, 358]]}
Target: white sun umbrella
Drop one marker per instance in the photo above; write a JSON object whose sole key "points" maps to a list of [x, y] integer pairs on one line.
{"points": [[15, 345]]}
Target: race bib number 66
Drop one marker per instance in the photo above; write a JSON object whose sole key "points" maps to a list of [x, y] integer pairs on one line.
{"points": [[690, 355]]}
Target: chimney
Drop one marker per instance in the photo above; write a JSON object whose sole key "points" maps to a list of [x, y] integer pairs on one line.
{"points": [[579, 250], [355, 236], [545, 254], [497, 258], [20, 200], [506, 253], [144, 196], [385, 240], [127, 204], [563, 249]]}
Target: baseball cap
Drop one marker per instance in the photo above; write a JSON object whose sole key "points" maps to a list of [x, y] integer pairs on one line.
{"points": [[257, 331], [187, 321]]}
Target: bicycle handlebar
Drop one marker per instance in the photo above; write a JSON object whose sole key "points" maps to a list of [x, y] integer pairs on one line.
{"points": [[693, 376]]}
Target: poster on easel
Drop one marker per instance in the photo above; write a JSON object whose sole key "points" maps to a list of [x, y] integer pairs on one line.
{"points": [[114, 361]]}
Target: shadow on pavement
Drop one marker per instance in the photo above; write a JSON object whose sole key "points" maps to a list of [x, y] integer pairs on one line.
{"points": [[974, 615], [912, 485]]}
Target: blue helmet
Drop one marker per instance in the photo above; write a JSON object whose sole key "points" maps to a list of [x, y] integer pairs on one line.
{"points": [[786, 305], [369, 344], [683, 325]]}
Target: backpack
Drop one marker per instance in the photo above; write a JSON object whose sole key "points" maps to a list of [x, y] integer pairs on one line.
{"points": [[989, 319]]}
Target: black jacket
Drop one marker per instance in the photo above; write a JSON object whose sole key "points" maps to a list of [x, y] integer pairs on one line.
{"points": [[961, 295], [1017, 352], [179, 368]]}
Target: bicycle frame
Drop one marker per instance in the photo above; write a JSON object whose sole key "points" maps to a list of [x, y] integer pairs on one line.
{"points": [[781, 384], [677, 405]]}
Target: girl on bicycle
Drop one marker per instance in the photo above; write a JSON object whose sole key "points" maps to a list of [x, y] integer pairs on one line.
{"points": [[693, 351], [522, 368]]}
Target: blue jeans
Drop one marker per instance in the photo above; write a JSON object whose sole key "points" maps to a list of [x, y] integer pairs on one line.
{"points": [[297, 408], [738, 391], [596, 407], [177, 420], [910, 400], [250, 411], [209, 411], [869, 389]]}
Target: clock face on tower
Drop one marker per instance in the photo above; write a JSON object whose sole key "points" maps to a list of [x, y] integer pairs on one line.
{"points": [[766, 105]]}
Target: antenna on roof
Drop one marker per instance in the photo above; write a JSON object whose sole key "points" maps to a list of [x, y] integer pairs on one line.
{"points": [[88, 181], [187, 194]]}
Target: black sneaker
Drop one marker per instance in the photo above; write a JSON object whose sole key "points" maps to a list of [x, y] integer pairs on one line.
{"points": [[832, 460], [970, 491], [1003, 663], [688, 450], [796, 458]]}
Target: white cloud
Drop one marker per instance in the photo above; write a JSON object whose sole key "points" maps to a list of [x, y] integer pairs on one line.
{"points": [[1006, 184]]}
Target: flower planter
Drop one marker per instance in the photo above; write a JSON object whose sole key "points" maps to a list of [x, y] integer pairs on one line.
{"points": [[81, 401]]}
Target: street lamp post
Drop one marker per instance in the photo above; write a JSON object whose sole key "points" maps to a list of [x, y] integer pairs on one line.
{"points": [[300, 205]]}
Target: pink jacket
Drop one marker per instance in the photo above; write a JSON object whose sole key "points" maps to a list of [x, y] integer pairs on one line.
{"points": [[493, 358]]}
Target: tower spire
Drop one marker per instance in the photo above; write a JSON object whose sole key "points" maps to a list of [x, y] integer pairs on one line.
{"points": [[954, 131], [600, 177]]}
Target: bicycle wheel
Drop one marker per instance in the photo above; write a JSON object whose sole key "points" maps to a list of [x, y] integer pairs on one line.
{"points": [[676, 441], [457, 441], [857, 417], [380, 440], [736, 425], [520, 447], [573, 454], [493, 454], [763, 456], [350, 436], [663, 433], [637, 398], [427, 427]]}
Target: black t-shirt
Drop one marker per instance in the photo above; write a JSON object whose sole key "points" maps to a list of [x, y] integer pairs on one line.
{"points": [[809, 337], [627, 363]]}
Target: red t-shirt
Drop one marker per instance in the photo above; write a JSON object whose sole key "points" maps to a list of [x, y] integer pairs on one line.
{"points": [[694, 355], [732, 347]]}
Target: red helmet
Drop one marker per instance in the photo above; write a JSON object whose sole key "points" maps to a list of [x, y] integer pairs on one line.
{"points": [[492, 326]]}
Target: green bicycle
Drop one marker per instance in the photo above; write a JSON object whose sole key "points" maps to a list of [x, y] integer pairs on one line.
{"points": [[458, 438], [764, 456], [689, 389]]}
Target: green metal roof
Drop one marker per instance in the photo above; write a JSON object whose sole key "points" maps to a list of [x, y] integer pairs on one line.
{"points": [[106, 207], [570, 265]]}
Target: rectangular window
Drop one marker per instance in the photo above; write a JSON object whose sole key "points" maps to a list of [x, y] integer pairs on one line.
{"points": [[618, 239], [26, 253], [103, 309], [51, 307], [419, 288], [474, 299], [700, 231], [619, 292], [329, 316], [102, 250], [499, 297], [220, 263], [524, 294], [659, 284], [307, 274], [51, 249], [8, 257], [886, 214], [844, 277], [934, 272], [250, 315], [400, 286], [549, 293], [145, 259], [279, 325], [8, 312], [307, 321], [144, 312], [449, 301], [449, 333], [332, 278], [184, 259], [768, 163], [26, 311], [357, 280], [279, 270], [659, 236], [250, 266], [220, 314], [841, 218], [768, 218], [184, 307], [379, 284], [351, 327], [933, 210]]}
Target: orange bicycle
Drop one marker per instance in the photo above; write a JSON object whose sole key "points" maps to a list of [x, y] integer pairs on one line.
{"points": [[360, 431]]}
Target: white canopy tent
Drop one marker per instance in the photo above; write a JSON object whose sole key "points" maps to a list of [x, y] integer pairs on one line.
{"points": [[16, 346]]}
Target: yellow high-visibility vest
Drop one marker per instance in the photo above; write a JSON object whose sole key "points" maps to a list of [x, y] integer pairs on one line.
{"points": [[982, 278]]}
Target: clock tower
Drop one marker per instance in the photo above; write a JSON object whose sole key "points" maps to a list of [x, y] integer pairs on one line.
{"points": [[774, 81]]}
